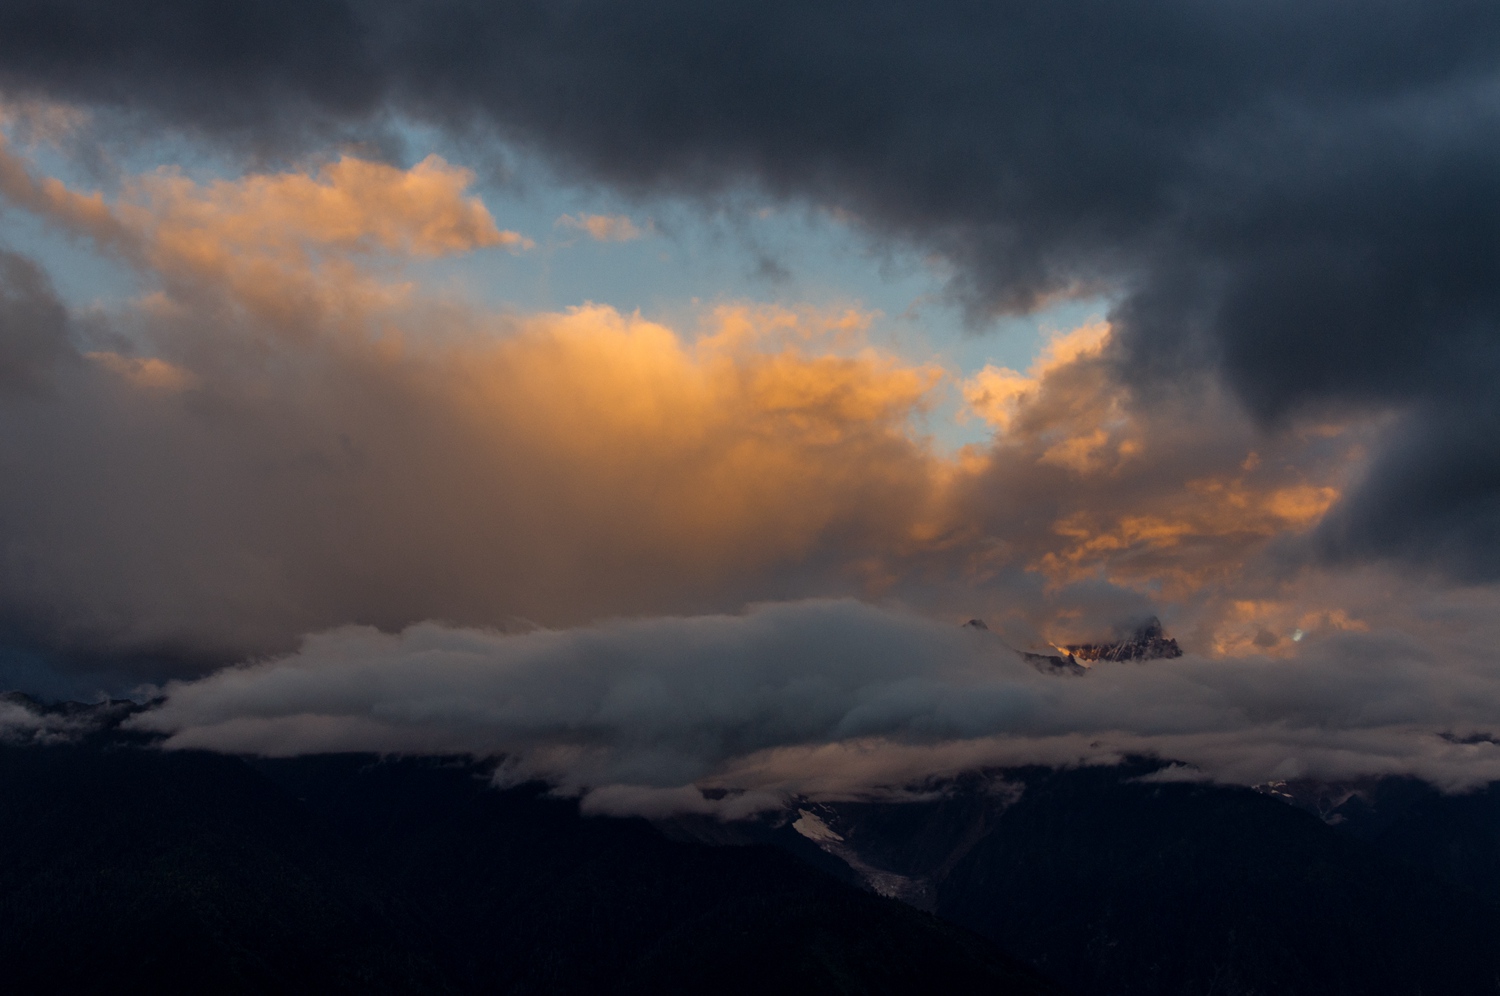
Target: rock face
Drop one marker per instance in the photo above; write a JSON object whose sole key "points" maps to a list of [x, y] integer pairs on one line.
{"points": [[1053, 664], [1146, 644]]}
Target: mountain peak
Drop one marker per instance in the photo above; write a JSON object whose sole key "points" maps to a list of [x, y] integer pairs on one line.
{"points": [[1148, 642]]}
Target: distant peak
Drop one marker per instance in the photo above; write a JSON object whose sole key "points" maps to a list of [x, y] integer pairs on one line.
{"points": [[1148, 642]]}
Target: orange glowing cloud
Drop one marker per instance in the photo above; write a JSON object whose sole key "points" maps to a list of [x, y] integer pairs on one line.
{"points": [[995, 393], [352, 205], [363, 449], [449, 462], [149, 373], [285, 246], [604, 227], [50, 197], [713, 452], [1275, 626], [1189, 540], [1176, 497]]}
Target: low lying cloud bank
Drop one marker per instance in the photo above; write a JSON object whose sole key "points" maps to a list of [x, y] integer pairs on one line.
{"points": [[20, 722], [835, 699]]}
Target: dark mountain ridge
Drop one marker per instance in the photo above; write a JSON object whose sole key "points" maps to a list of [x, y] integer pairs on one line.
{"points": [[125, 868], [130, 869], [1116, 884]]}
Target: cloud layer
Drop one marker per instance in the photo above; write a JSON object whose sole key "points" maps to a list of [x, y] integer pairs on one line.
{"points": [[837, 699]]}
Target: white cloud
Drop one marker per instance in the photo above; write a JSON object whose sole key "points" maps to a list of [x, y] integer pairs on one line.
{"points": [[21, 722], [835, 698]]}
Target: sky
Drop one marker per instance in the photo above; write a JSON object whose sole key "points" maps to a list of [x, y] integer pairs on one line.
{"points": [[648, 392]]}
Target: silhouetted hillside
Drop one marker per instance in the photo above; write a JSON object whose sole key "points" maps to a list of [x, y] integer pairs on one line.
{"points": [[1114, 885], [128, 869], [1120, 887]]}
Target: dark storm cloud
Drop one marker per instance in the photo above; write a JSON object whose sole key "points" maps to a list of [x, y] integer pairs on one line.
{"points": [[33, 326], [1302, 195], [1434, 496], [262, 70]]}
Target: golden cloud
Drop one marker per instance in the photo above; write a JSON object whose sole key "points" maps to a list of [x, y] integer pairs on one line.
{"points": [[148, 372], [351, 205], [285, 246], [388, 455], [604, 227], [994, 394]]}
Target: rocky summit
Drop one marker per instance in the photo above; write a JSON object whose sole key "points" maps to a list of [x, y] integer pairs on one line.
{"points": [[1147, 643]]}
